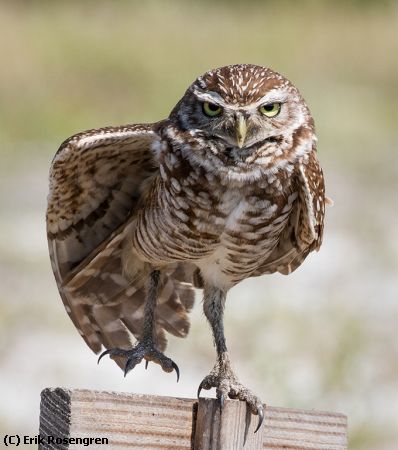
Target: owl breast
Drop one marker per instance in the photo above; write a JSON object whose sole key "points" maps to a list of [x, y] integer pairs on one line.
{"points": [[249, 233], [226, 231]]}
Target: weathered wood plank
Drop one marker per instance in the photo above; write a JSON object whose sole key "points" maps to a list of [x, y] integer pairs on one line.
{"points": [[131, 421], [292, 429], [231, 430]]}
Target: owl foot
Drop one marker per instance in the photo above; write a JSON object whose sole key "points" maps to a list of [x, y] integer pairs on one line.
{"points": [[142, 350], [226, 383]]}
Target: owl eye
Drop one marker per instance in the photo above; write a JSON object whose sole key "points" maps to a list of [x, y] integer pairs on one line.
{"points": [[211, 110], [270, 109]]}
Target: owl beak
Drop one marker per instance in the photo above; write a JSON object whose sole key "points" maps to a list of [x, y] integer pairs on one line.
{"points": [[241, 130]]}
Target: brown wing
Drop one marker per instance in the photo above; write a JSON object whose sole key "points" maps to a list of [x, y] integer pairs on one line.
{"points": [[304, 231], [97, 180]]}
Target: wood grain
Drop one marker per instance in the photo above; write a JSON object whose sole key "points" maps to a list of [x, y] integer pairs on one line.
{"points": [[132, 421], [231, 430]]}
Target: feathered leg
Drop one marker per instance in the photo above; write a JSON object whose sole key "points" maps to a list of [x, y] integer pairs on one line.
{"points": [[146, 347], [222, 376]]}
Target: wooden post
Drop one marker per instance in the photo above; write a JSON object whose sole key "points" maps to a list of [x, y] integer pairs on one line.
{"points": [[70, 419], [232, 429]]}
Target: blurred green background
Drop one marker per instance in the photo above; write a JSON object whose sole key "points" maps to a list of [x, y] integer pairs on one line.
{"points": [[324, 337]]}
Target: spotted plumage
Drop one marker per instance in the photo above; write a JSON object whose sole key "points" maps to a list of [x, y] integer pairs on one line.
{"points": [[228, 187]]}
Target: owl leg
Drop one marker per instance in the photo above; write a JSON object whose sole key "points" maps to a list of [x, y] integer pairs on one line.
{"points": [[222, 376], [146, 347]]}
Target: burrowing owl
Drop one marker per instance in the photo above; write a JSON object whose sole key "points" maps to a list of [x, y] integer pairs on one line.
{"points": [[228, 187]]}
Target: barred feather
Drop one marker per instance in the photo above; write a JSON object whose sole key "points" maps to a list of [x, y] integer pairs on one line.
{"points": [[97, 182]]}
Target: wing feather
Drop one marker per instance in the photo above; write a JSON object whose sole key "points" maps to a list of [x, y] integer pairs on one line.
{"points": [[98, 180], [304, 230]]}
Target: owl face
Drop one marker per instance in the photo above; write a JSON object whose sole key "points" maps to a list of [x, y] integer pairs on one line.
{"points": [[248, 115]]}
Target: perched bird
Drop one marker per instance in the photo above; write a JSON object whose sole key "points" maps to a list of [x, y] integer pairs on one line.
{"points": [[227, 187]]}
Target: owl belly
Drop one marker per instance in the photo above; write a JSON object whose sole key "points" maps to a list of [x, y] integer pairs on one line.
{"points": [[248, 239], [227, 239]]}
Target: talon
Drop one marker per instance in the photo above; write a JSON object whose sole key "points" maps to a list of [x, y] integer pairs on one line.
{"points": [[146, 364], [111, 352], [260, 412], [222, 402], [199, 389], [130, 364], [106, 352], [175, 367]]}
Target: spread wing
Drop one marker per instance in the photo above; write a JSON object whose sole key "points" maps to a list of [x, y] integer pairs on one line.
{"points": [[304, 230], [98, 181]]}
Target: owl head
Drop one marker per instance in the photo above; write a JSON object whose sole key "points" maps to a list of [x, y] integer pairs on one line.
{"points": [[245, 117]]}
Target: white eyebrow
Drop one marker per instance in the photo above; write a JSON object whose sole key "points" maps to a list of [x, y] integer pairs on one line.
{"points": [[274, 96], [209, 96]]}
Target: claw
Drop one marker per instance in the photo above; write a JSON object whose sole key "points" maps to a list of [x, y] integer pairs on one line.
{"points": [[111, 351], [175, 367], [199, 389], [222, 402], [106, 352], [135, 356], [130, 364], [248, 420], [260, 412]]}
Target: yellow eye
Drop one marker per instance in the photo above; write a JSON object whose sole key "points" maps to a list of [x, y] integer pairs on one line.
{"points": [[211, 110], [270, 109]]}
